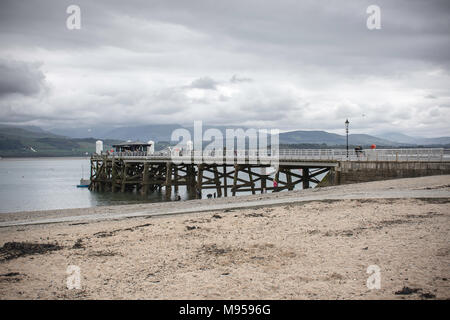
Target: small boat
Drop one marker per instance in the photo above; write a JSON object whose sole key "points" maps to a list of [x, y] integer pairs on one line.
{"points": [[84, 183]]}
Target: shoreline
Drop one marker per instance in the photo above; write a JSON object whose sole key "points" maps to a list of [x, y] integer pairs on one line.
{"points": [[319, 249], [423, 187]]}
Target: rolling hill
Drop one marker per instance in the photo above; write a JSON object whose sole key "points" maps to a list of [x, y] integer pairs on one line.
{"points": [[163, 133], [19, 142], [31, 141], [403, 138]]}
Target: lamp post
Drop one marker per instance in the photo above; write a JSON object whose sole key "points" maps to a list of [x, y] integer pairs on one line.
{"points": [[346, 131]]}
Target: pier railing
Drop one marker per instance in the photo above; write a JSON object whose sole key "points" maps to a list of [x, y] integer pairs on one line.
{"points": [[419, 154]]}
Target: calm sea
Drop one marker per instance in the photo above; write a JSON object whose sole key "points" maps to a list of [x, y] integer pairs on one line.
{"points": [[51, 183], [31, 184]]}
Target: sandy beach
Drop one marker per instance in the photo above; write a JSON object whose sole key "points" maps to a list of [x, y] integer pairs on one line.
{"points": [[319, 248]]}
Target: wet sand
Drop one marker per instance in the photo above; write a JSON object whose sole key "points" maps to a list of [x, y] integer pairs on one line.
{"points": [[317, 249]]}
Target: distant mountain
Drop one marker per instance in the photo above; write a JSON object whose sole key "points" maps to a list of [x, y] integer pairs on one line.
{"points": [[153, 132], [316, 137], [145, 133], [18, 142], [25, 132], [365, 140], [162, 134], [331, 139], [25, 127], [403, 138], [82, 132]]}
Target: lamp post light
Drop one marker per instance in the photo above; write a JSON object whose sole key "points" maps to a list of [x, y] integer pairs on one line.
{"points": [[346, 131]]}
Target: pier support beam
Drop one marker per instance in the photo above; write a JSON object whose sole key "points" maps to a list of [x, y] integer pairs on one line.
{"points": [[305, 178], [168, 183], [145, 176], [124, 177], [225, 182], [217, 181], [199, 181]]}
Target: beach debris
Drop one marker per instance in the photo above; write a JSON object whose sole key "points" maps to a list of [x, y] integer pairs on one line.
{"points": [[216, 216], [406, 291], [427, 295], [10, 277], [10, 274], [78, 244], [13, 250], [102, 253], [423, 295], [192, 227], [442, 252], [103, 234], [435, 200], [213, 249], [254, 215], [335, 276]]}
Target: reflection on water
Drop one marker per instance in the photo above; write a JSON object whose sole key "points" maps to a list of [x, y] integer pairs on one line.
{"points": [[50, 183]]}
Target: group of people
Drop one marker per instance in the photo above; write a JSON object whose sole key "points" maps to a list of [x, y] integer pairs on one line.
{"points": [[359, 151]]}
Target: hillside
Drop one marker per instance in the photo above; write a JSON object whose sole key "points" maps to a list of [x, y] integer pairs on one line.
{"points": [[332, 139], [18, 142], [163, 133], [31, 141], [403, 138]]}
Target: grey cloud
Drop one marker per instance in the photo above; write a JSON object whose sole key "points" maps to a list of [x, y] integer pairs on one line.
{"points": [[284, 32], [236, 79], [287, 64], [204, 83], [18, 77]]}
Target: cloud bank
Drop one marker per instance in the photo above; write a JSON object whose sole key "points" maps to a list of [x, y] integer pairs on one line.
{"points": [[276, 64]]}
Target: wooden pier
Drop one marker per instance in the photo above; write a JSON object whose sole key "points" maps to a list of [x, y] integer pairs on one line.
{"points": [[141, 174], [236, 172]]}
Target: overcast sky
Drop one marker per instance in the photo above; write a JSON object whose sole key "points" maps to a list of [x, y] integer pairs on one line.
{"points": [[274, 64]]}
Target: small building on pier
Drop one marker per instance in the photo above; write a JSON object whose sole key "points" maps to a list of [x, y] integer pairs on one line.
{"points": [[133, 146]]}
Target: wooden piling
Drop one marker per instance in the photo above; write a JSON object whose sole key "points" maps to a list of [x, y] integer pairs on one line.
{"points": [[199, 181], [305, 178], [168, 183]]}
